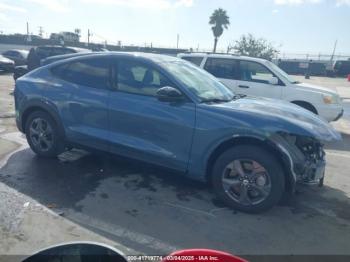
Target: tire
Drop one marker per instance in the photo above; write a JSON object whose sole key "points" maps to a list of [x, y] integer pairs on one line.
{"points": [[265, 185], [43, 135], [306, 106]]}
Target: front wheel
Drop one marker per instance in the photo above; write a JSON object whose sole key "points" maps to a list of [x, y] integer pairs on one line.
{"points": [[42, 135], [248, 178]]}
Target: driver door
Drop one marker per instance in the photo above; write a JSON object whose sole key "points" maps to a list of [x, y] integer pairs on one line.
{"points": [[143, 127]]}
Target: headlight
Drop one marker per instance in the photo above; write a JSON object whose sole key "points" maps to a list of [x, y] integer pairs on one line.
{"points": [[331, 99]]}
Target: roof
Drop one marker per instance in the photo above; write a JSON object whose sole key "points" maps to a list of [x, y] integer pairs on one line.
{"points": [[148, 56], [78, 49], [216, 55]]}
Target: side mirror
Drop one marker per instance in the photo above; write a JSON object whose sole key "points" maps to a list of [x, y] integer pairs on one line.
{"points": [[84, 251], [273, 81], [169, 94]]}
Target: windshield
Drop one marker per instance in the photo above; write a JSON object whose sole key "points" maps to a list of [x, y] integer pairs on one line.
{"points": [[284, 75], [199, 82]]}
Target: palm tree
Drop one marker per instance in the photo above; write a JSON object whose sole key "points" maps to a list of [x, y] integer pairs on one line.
{"points": [[220, 20]]}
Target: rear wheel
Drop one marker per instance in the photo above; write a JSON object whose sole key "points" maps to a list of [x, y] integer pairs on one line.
{"points": [[42, 135], [248, 178]]}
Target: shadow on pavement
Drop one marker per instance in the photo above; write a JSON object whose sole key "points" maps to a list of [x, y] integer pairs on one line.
{"points": [[170, 207], [66, 181], [77, 174]]}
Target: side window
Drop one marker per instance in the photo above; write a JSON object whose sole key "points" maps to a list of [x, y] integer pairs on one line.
{"points": [[10, 53], [43, 52], [89, 72], [138, 78], [197, 60], [222, 67], [254, 72]]}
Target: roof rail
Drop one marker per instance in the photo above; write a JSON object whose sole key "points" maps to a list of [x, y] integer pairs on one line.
{"points": [[209, 53]]}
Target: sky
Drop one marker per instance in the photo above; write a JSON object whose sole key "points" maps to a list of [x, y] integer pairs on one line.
{"points": [[294, 26]]}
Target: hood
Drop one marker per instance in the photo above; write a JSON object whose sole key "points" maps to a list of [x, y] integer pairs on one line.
{"points": [[279, 116], [5, 60], [316, 88]]}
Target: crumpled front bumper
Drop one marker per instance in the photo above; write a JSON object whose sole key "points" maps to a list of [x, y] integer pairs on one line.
{"points": [[307, 168], [315, 175]]}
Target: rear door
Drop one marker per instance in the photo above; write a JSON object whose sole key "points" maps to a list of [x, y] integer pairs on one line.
{"points": [[143, 127], [225, 69], [83, 100], [254, 80]]}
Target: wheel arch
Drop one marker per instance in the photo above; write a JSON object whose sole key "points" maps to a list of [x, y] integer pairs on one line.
{"points": [[256, 141], [305, 105], [40, 106]]}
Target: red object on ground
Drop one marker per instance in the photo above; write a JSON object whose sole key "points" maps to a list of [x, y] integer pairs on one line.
{"points": [[349, 77], [202, 255]]}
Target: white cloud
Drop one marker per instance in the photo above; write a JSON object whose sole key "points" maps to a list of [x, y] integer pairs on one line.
{"points": [[12, 8], [3, 18], [53, 5], [300, 2], [150, 4], [275, 11], [343, 2], [295, 2]]}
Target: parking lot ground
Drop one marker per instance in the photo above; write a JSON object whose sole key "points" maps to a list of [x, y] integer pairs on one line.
{"points": [[155, 211]]}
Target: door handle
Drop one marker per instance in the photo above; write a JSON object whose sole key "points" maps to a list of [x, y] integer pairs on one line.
{"points": [[242, 86]]}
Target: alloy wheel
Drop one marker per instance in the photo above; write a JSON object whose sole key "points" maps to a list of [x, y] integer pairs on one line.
{"points": [[41, 134], [246, 182]]}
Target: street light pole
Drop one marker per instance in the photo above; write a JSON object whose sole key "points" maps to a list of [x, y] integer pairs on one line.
{"points": [[89, 37], [177, 41]]}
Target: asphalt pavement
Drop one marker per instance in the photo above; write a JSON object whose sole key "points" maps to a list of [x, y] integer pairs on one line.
{"points": [[155, 211]]}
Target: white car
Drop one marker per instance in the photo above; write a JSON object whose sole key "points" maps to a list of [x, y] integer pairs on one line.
{"points": [[259, 77]]}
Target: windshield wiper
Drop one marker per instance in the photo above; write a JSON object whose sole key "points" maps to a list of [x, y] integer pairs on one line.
{"points": [[238, 96], [215, 100], [222, 100]]}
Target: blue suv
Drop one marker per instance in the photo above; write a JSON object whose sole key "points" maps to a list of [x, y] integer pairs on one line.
{"points": [[168, 112]]}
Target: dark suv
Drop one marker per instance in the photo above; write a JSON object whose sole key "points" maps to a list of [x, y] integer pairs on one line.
{"points": [[37, 54]]}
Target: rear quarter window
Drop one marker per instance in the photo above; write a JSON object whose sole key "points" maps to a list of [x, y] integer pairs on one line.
{"points": [[90, 72]]}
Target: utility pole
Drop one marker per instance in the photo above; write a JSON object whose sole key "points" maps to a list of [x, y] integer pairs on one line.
{"points": [[89, 34], [41, 31], [28, 34], [335, 46], [177, 41]]}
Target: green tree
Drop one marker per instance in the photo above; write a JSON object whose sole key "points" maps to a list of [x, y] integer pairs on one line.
{"points": [[256, 47], [219, 21]]}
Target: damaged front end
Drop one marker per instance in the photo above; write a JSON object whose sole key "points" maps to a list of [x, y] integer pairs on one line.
{"points": [[305, 157]]}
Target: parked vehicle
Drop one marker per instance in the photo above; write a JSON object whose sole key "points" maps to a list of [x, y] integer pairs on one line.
{"points": [[259, 77], [39, 53], [166, 111], [65, 37], [342, 68], [6, 64], [18, 56]]}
